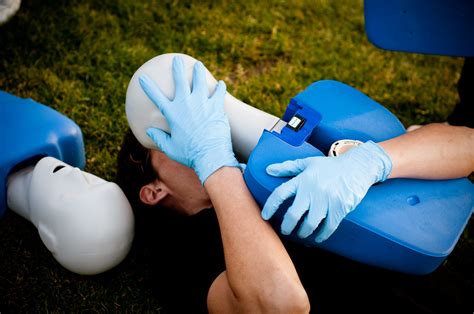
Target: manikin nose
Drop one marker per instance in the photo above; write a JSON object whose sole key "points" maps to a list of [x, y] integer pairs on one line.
{"points": [[91, 179], [73, 172]]}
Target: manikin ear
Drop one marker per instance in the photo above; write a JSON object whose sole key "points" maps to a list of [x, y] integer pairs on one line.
{"points": [[153, 193]]}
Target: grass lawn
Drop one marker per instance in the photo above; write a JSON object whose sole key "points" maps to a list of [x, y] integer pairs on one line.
{"points": [[78, 56]]}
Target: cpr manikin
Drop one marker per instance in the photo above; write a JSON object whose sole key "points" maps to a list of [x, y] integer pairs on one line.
{"points": [[384, 229], [85, 221], [247, 123]]}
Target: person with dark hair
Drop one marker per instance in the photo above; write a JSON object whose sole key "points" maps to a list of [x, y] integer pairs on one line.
{"points": [[213, 251], [259, 276], [186, 250]]}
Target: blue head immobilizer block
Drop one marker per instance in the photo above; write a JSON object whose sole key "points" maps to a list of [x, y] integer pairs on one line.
{"points": [[424, 26], [405, 225], [29, 131]]}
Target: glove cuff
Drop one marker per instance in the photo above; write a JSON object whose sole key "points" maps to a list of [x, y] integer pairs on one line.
{"points": [[385, 162], [213, 161]]}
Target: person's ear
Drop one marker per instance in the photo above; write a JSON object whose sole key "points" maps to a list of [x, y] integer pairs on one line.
{"points": [[153, 193]]}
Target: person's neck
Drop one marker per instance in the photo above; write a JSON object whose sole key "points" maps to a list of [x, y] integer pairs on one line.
{"points": [[191, 207], [18, 186], [198, 209]]}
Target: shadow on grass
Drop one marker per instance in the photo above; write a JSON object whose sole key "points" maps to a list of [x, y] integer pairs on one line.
{"points": [[32, 281]]}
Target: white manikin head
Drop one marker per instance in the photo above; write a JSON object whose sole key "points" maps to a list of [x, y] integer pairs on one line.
{"points": [[247, 123], [141, 112], [86, 222]]}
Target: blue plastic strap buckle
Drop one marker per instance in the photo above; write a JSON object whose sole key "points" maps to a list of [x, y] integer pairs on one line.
{"points": [[301, 121]]}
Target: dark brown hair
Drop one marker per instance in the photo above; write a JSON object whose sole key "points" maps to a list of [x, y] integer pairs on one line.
{"points": [[134, 169]]}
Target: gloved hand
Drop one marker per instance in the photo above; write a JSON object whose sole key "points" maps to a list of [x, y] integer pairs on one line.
{"points": [[326, 187], [200, 131]]}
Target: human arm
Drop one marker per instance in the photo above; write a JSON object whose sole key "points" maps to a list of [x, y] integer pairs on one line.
{"points": [[329, 188], [434, 151], [259, 276], [258, 267]]}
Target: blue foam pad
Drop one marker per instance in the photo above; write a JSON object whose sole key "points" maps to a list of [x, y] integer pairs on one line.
{"points": [[30, 130], [433, 27]]}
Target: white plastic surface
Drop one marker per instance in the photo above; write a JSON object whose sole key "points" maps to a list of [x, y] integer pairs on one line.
{"points": [[86, 222], [342, 146], [8, 8], [247, 123]]}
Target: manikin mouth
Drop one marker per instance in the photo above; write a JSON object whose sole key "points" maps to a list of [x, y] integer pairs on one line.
{"points": [[58, 168]]}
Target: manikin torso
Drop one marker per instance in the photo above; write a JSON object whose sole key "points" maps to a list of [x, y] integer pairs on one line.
{"points": [[85, 221], [384, 221]]}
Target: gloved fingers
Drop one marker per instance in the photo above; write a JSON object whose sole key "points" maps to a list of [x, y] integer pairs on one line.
{"points": [[316, 214], [199, 81], [335, 215], [295, 212], [153, 91], [278, 196], [160, 138], [182, 89], [287, 168], [219, 94]]}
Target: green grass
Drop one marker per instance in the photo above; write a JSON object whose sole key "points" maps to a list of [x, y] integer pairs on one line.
{"points": [[78, 56]]}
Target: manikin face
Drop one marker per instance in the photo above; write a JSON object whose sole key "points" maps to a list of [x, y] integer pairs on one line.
{"points": [[64, 180], [85, 221], [179, 185]]}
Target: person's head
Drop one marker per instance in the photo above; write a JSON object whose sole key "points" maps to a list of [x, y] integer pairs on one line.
{"points": [[152, 180], [86, 222]]}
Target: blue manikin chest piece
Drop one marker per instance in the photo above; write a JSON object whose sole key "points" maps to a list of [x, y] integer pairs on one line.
{"points": [[29, 131], [434, 27], [405, 225]]}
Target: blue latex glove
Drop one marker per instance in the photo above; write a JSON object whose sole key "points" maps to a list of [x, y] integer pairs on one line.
{"points": [[200, 131], [326, 187]]}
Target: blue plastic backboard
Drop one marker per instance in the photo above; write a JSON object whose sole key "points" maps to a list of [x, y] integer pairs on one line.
{"points": [[31, 130], [438, 27]]}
